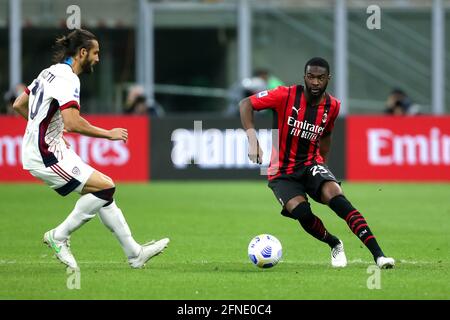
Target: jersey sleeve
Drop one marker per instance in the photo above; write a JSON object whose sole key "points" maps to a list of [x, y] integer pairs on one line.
{"points": [[30, 87], [330, 125], [269, 99], [67, 92]]}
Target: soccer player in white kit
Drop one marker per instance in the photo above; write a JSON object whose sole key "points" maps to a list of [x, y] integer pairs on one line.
{"points": [[51, 106]]}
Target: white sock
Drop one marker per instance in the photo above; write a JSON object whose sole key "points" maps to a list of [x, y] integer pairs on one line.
{"points": [[84, 210], [112, 217]]}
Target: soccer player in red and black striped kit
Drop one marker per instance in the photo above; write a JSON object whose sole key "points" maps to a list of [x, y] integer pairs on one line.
{"points": [[305, 118]]}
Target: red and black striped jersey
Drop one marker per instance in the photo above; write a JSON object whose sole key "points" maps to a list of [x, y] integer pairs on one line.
{"points": [[300, 126]]}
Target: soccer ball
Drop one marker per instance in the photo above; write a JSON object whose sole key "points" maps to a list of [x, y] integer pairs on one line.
{"points": [[265, 251]]}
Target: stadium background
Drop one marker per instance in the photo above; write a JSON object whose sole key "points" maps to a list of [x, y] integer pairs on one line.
{"points": [[192, 60], [224, 42]]}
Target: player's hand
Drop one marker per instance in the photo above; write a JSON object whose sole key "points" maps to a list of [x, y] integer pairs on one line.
{"points": [[255, 152], [119, 134]]}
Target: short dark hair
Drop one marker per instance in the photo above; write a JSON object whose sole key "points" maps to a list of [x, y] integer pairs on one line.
{"points": [[68, 46], [318, 62], [398, 91]]}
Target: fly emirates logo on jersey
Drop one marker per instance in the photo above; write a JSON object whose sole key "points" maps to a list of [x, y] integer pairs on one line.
{"points": [[304, 129], [122, 161]]}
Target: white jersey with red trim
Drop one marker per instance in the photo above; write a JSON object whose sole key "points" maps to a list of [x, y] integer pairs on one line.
{"points": [[55, 89]]}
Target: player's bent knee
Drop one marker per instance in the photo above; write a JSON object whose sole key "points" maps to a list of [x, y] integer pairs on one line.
{"points": [[110, 184], [301, 211], [97, 182], [109, 181], [293, 203], [330, 189]]}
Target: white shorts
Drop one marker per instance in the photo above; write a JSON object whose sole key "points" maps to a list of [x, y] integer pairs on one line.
{"points": [[67, 175]]}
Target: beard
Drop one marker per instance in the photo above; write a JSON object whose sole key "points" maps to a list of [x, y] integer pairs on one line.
{"points": [[316, 93], [88, 67]]}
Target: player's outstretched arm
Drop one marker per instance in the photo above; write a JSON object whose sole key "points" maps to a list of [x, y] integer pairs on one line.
{"points": [[73, 122], [20, 105], [246, 111]]}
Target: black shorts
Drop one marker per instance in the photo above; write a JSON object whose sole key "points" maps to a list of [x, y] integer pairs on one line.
{"points": [[306, 181]]}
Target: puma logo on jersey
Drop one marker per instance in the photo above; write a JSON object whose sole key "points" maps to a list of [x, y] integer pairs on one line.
{"points": [[324, 118], [296, 110]]}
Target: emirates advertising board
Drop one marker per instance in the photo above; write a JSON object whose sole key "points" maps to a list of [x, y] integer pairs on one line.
{"points": [[122, 161], [398, 148]]}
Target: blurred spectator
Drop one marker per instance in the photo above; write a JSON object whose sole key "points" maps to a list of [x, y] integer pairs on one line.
{"points": [[398, 103], [262, 80], [10, 96], [271, 81], [137, 103]]}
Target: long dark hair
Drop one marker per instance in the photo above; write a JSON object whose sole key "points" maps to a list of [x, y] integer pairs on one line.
{"points": [[68, 46]]}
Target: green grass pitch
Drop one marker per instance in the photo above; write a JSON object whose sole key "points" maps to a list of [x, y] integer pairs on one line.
{"points": [[210, 225]]}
